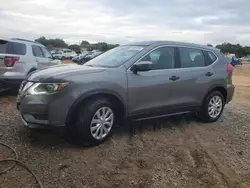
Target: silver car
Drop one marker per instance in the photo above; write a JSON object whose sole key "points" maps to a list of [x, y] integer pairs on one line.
{"points": [[137, 81], [18, 58]]}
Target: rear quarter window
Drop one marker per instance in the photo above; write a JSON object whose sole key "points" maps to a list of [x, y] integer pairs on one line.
{"points": [[210, 57], [7, 47]]}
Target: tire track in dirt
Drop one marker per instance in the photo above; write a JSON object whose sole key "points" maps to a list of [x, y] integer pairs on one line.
{"points": [[226, 174], [197, 156]]}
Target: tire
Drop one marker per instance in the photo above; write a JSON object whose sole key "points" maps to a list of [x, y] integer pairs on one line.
{"points": [[63, 58], [81, 130], [204, 114], [82, 62]]}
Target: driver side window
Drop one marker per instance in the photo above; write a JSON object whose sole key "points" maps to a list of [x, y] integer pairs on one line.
{"points": [[162, 58]]}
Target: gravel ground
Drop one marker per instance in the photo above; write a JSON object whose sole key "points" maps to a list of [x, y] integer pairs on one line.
{"points": [[179, 152]]}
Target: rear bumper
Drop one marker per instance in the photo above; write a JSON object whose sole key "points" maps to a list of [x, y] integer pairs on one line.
{"points": [[230, 92], [11, 79], [10, 83]]}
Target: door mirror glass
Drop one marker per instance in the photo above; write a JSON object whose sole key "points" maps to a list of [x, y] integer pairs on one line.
{"points": [[142, 66]]}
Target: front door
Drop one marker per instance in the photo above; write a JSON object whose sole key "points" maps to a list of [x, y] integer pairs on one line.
{"points": [[154, 91], [48, 58]]}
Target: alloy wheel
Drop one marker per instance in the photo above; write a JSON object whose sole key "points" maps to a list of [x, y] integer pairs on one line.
{"points": [[215, 106], [101, 123]]}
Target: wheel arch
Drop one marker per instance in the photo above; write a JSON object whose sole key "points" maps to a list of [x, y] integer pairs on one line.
{"points": [[113, 97], [219, 88]]}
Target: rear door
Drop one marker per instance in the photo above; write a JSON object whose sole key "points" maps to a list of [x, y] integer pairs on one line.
{"points": [[40, 58], [196, 75]]}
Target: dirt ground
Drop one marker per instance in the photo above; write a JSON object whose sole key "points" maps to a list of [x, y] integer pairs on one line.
{"points": [[180, 152]]}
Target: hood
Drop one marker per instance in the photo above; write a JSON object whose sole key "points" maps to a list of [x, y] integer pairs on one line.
{"points": [[59, 72]]}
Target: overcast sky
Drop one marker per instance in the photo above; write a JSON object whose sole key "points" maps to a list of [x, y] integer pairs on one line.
{"points": [[122, 21]]}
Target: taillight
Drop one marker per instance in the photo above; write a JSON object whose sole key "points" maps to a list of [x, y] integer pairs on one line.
{"points": [[230, 68], [10, 61]]}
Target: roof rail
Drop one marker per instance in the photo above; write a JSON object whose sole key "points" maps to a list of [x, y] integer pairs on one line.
{"points": [[23, 40]]}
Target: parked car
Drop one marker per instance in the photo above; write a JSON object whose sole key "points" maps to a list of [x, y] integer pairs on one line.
{"points": [[245, 58], [79, 58], [68, 54], [138, 81], [64, 54], [58, 55], [18, 58], [233, 60], [91, 56]]}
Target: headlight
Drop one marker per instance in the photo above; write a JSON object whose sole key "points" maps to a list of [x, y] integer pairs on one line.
{"points": [[46, 88]]}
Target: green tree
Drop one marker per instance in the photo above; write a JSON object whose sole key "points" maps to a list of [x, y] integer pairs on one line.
{"points": [[52, 42], [75, 48], [84, 43]]}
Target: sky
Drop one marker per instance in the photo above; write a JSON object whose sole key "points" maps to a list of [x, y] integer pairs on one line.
{"points": [[124, 21]]}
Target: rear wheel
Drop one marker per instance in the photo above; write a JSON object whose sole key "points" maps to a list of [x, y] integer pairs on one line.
{"points": [[94, 122], [82, 62], [212, 107]]}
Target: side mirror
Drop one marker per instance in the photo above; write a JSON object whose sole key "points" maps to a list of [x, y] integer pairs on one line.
{"points": [[142, 66]]}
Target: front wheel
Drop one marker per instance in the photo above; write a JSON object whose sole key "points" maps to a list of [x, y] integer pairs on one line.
{"points": [[212, 107], [94, 122]]}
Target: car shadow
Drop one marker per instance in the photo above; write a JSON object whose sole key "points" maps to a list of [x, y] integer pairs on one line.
{"points": [[8, 93], [137, 127], [47, 138]]}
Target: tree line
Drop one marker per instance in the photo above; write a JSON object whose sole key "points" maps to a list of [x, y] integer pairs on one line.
{"points": [[60, 43], [236, 49]]}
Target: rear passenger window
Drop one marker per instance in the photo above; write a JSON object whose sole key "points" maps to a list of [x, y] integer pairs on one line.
{"points": [[162, 58], [37, 51], [190, 57]]}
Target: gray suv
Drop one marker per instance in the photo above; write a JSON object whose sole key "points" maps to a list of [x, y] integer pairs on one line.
{"points": [[138, 81]]}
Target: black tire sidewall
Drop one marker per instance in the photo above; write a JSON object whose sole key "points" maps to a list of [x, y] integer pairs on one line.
{"points": [[82, 62], [83, 120], [204, 111]]}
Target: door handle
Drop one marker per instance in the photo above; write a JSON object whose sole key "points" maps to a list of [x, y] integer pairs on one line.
{"points": [[174, 78], [209, 74], [37, 60]]}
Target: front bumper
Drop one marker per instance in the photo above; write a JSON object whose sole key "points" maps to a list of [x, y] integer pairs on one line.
{"points": [[44, 110], [230, 92]]}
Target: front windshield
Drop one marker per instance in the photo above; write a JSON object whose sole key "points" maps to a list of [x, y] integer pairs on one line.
{"points": [[115, 57]]}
